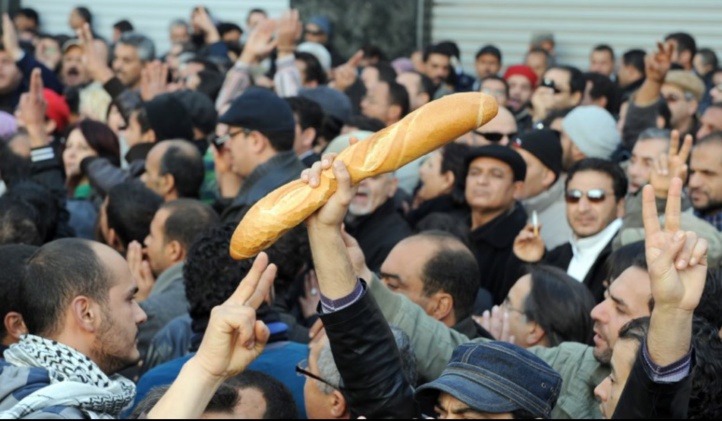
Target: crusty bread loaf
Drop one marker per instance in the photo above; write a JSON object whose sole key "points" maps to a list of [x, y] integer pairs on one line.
{"points": [[426, 129]]}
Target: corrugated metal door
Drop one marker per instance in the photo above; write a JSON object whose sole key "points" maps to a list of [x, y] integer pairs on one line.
{"points": [[150, 17], [577, 25]]}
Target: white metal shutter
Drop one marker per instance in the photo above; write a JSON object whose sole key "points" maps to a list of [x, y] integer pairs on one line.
{"points": [[577, 25], [149, 17]]}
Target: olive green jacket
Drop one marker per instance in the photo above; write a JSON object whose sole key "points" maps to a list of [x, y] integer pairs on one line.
{"points": [[433, 342]]}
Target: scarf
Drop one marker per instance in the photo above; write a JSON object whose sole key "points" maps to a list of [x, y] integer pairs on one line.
{"points": [[75, 381]]}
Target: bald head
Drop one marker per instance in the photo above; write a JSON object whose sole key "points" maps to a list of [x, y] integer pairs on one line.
{"points": [[174, 169]]}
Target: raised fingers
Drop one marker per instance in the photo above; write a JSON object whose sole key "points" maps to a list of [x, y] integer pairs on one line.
{"points": [[673, 211], [249, 284], [686, 148], [649, 212], [699, 253], [673, 143], [682, 260]]}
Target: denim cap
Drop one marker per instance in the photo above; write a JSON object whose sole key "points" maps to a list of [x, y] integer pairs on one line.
{"points": [[496, 378]]}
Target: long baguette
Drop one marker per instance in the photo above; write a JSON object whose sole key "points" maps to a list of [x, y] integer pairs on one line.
{"points": [[426, 129]]}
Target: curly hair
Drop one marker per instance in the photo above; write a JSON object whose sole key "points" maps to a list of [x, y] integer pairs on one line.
{"points": [[704, 401]]}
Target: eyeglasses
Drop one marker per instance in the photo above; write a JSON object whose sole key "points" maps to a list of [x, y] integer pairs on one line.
{"points": [[495, 136], [672, 98], [593, 195], [507, 305], [219, 141], [301, 371]]}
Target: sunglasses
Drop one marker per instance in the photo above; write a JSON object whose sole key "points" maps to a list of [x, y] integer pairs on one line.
{"points": [[301, 371], [495, 136], [219, 141], [593, 195], [549, 83]]}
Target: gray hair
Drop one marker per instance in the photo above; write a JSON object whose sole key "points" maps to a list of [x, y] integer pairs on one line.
{"points": [[328, 371], [654, 133], [144, 45], [179, 22]]}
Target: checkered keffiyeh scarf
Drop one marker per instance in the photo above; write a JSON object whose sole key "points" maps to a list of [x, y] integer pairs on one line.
{"points": [[75, 381]]}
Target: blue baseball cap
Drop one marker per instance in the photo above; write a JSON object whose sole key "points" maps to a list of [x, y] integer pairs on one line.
{"points": [[323, 24], [496, 378], [262, 110]]}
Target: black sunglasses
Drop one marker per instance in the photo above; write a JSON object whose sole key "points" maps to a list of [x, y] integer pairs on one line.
{"points": [[549, 83], [303, 372], [495, 136], [219, 141], [593, 195]]}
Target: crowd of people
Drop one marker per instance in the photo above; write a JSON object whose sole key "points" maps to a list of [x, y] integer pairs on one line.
{"points": [[561, 261]]}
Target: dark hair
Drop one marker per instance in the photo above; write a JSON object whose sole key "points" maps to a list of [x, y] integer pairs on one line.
{"points": [[635, 330], [426, 85], [714, 137], [207, 63], [84, 13], [210, 84], [187, 219], [708, 307], [374, 51], [554, 115], [387, 73], [453, 269], [606, 48], [498, 79], [704, 402], [223, 401], [30, 14], [369, 124], [441, 221], [619, 179], [292, 254], [234, 47], [489, 50], [13, 258], [603, 87], [281, 140], [256, 10], [398, 95], [56, 273], [279, 400], [13, 167], [314, 70], [309, 112], [664, 112], [435, 49], [560, 304], [210, 274], [18, 223], [625, 257], [123, 26], [634, 58], [709, 57], [48, 207], [101, 139], [130, 210], [452, 159], [226, 27], [685, 42], [72, 98], [185, 164], [577, 83], [451, 48], [539, 50]]}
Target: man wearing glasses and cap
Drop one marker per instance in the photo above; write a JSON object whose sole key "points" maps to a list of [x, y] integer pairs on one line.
{"points": [[595, 191]]}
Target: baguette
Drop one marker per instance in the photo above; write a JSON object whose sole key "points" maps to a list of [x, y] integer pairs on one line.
{"points": [[424, 130]]}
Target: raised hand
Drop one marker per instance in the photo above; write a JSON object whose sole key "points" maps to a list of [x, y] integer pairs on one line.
{"points": [[10, 38], [289, 32], [31, 111], [140, 268], [677, 260], [311, 297], [346, 74], [529, 246], [201, 20], [234, 338], [496, 322], [657, 64], [260, 43], [153, 80], [673, 164], [334, 211], [92, 57]]}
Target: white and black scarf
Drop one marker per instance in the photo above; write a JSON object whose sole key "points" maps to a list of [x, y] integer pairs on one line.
{"points": [[75, 381]]}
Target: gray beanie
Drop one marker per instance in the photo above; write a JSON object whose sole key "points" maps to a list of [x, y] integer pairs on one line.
{"points": [[593, 130]]}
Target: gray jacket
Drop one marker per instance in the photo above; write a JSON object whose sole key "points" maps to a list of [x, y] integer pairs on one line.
{"points": [[552, 210]]}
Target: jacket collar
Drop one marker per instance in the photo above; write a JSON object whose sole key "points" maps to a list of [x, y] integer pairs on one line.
{"points": [[501, 231], [167, 278], [547, 198], [383, 211], [139, 151], [280, 160]]}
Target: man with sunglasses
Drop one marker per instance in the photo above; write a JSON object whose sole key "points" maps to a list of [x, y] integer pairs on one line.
{"points": [[261, 131], [595, 191], [561, 87], [501, 130]]}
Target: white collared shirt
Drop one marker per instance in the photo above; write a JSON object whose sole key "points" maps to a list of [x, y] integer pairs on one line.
{"points": [[586, 250]]}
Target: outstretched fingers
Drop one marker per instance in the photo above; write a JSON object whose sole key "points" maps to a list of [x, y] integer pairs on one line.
{"points": [[649, 212], [673, 212], [254, 287]]}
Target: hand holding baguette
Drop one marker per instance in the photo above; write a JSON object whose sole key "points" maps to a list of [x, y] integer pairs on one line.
{"points": [[424, 130]]}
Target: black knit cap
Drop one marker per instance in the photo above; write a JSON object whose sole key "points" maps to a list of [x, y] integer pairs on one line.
{"points": [[545, 145], [503, 154]]}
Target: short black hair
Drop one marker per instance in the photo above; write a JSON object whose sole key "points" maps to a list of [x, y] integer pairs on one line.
{"points": [[709, 57], [187, 219], [387, 73], [625, 257], [453, 269], [614, 171], [279, 400], [606, 48], [224, 400], [281, 140], [435, 49], [314, 70], [374, 51], [704, 402], [442, 221], [210, 274], [309, 112], [577, 83], [17, 222], [539, 50], [603, 87], [452, 159], [398, 95], [685, 42], [426, 85], [186, 166], [84, 13], [226, 27], [256, 10], [130, 210], [56, 273], [365, 123], [13, 167], [123, 26], [13, 258], [31, 14], [451, 48], [635, 58], [498, 79], [489, 50], [635, 330], [292, 254], [48, 207], [555, 115], [561, 305], [708, 307]]}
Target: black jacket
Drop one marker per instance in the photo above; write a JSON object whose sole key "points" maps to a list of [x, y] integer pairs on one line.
{"points": [[644, 399], [493, 245], [378, 232], [443, 204], [562, 255], [369, 362]]}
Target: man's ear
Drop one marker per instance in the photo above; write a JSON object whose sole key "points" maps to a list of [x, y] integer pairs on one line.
{"points": [[176, 252], [50, 126], [394, 112], [548, 178], [115, 242], [338, 405], [168, 184], [259, 142], [620, 208], [393, 185], [535, 335], [444, 305], [307, 137], [85, 313], [15, 325], [693, 107], [577, 97], [149, 136], [518, 189]]}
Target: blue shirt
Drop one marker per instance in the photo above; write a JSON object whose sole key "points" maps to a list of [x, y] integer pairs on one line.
{"points": [[278, 360]]}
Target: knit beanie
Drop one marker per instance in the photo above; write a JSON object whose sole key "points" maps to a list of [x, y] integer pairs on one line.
{"points": [[593, 130]]}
